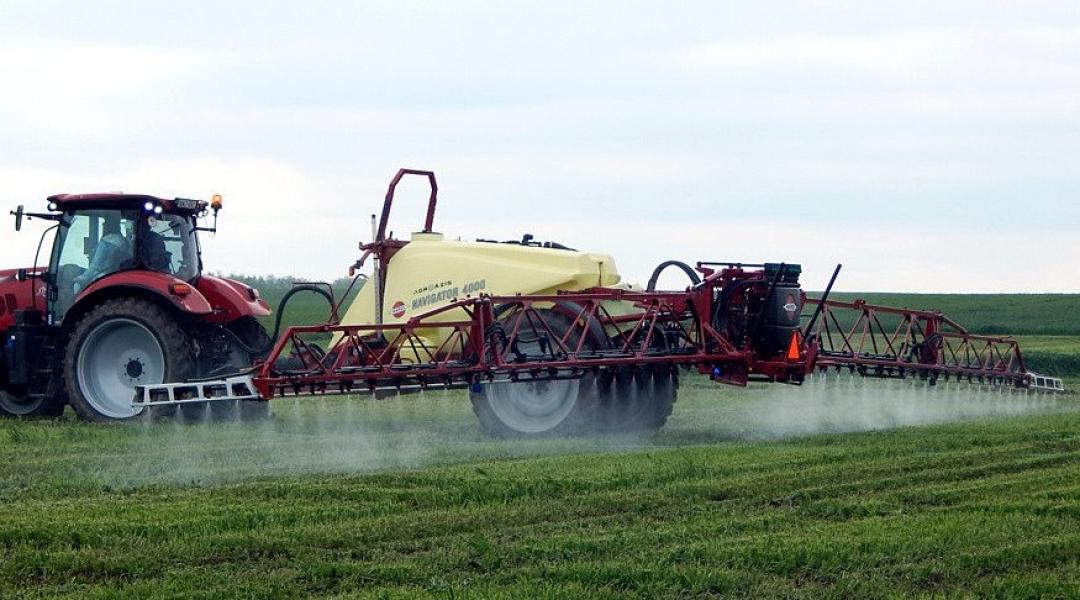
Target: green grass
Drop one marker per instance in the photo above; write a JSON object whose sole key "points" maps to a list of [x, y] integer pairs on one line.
{"points": [[755, 492]]}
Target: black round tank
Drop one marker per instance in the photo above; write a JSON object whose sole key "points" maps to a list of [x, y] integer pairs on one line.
{"points": [[780, 317]]}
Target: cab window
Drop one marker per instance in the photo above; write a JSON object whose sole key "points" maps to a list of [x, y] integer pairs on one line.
{"points": [[89, 246], [168, 246]]}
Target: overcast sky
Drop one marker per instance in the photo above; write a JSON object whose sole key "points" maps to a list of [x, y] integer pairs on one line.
{"points": [[929, 146]]}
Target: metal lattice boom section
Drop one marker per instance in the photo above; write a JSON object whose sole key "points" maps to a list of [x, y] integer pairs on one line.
{"points": [[882, 341]]}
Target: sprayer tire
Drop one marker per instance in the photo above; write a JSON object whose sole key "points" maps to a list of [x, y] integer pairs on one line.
{"points": [[507, 410], [636, 400], [145, 322]]}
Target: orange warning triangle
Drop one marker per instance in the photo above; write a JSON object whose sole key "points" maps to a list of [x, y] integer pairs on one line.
{"points": [[793, 348]]}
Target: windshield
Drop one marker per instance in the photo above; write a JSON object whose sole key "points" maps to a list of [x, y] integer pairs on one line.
{"points": [[169, 246]]}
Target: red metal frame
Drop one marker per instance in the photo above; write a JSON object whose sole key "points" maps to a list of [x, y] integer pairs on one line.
{"points": [[909, 343], [672, 328], [388, 202]]}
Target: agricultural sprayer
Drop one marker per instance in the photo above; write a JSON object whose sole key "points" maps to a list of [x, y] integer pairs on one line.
{"points": [[545, 339]]}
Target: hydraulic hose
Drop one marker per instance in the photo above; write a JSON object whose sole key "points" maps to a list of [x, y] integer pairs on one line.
{"points": [[694, 278], [285, 301]]}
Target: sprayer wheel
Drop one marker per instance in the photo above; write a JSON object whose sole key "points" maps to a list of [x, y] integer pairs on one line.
{"points": [[638, 400], [536, 408]]}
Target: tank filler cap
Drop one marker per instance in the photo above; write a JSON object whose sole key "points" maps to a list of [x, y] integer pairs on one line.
{"points": [[426, 236]]}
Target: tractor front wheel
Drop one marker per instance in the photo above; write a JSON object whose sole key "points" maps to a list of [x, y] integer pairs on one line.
{"points": [[116, 346], [26, 406]]}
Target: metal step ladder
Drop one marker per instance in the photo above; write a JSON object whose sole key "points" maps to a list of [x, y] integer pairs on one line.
{"points": [[41, 377]]}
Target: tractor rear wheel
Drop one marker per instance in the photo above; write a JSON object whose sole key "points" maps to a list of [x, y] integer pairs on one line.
{"points": [[116, 346], [536, 408]]}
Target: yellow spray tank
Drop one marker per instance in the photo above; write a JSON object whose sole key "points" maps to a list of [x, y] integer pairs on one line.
{"points": [[431, 271]]}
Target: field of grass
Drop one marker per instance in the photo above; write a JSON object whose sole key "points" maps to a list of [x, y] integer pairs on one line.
{"points": [[840, 488]]}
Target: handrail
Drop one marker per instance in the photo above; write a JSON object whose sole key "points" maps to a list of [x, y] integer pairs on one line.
{"points": [[381, 236]]}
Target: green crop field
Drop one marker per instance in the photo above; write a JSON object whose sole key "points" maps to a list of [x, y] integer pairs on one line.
{"points": [[840, 488], [752, 492]]}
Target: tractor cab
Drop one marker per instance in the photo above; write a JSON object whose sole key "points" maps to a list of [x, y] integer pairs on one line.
{"points": [[101, 234]]}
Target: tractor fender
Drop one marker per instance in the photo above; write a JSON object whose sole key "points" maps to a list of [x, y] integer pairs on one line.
{"points": [[156, 287], [231, 299]]}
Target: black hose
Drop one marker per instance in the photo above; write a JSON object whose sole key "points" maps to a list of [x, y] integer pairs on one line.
{"points": [[285, 301], [694, 278]]}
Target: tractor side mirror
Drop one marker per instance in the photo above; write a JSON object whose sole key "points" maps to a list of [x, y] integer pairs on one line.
{"points": [[18, 212], [21, 275]]}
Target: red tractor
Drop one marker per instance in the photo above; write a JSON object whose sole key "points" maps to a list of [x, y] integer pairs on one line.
{"points": [[123, 302]]}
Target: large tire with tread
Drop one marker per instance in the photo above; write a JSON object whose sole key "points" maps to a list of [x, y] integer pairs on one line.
{"points": [[254, 336], [537, 408], [117, 345], [251, 334], [636, 400]]}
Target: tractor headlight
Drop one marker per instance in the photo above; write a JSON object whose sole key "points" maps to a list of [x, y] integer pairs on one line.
{"points": [[149, 206], [53, 206], [157, 210]]}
